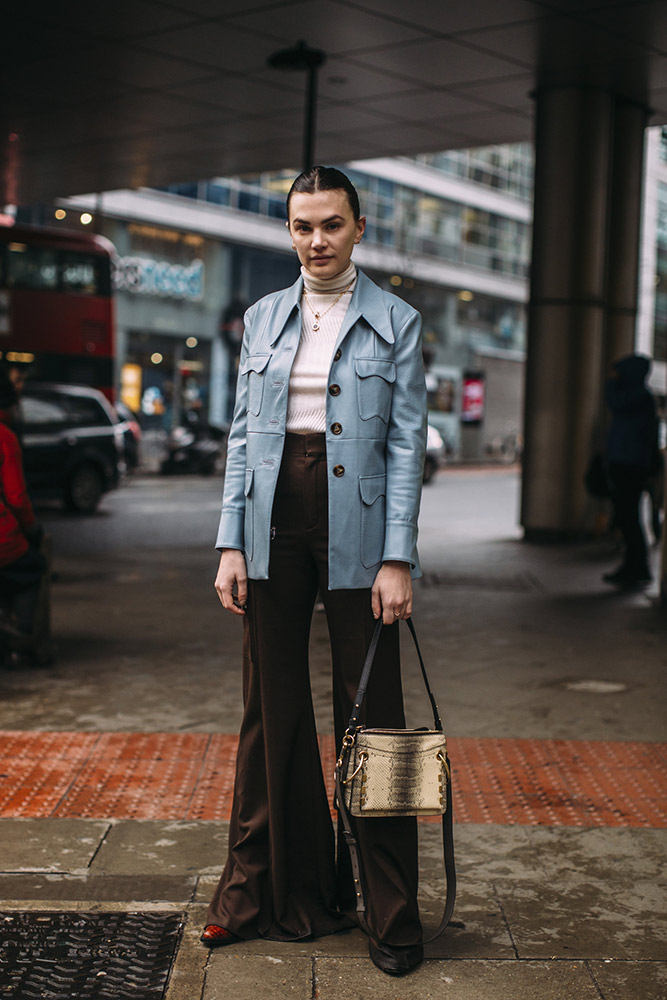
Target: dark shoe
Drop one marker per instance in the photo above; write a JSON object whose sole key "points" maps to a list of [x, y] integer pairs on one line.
{"points": [[624, 577], [395, 960], [215, 936], [616, 576]]}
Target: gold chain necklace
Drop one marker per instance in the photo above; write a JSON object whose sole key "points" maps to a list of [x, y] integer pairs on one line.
{"points": [[318, 316]]}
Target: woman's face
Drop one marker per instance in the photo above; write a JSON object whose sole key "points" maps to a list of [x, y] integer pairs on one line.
{"points": [[324, 231]]}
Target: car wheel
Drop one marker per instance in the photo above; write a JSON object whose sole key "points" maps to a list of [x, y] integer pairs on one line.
{"points": [[84, 489]]}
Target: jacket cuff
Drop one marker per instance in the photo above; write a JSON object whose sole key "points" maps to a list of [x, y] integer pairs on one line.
{"points": [[400, 540], [230, 530]]}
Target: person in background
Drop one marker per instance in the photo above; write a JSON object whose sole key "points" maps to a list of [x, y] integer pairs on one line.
{"points": [[656, 482], [22, 567], [631, 447], [17, 376]]}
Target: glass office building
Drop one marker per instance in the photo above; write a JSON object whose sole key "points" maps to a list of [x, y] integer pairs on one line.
{"points": [[449, 232]]}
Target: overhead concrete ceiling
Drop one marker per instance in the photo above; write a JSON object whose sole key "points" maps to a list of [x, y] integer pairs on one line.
{"points": [[148, 92]]}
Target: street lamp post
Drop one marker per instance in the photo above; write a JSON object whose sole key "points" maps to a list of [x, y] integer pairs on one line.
{"points": [[301, 58]]}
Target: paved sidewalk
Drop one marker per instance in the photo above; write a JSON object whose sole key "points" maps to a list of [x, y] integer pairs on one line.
{"points": [[552, 691]]}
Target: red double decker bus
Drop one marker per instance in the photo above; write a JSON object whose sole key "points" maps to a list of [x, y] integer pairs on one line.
{"points": [[56, 305]]}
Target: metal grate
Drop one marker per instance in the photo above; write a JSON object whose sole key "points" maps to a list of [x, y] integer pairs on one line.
{"points": [[518, 583], [90, 956]]}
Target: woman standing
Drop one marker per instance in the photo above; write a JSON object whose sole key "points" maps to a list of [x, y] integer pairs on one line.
{"points": [[322, 491]]}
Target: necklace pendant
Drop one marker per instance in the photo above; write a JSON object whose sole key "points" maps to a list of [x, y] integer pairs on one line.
{"points": [[316, 326]]}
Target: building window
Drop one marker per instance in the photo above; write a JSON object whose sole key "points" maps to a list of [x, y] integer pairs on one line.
{"points": [[507, 168], [408, 219]]}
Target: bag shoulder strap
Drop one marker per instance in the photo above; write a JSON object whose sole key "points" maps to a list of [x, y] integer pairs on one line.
{"points": [[355, 860], [350, 839], [366, 674]]}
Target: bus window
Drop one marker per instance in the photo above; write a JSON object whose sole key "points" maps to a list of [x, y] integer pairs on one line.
{"points": [[80, 273], [35, 267], [31, 267]]}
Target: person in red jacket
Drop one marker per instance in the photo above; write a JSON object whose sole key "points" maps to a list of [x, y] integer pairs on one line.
{"points": [[22, 567]]}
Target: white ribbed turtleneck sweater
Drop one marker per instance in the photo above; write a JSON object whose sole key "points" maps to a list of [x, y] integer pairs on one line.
{"points": [[307, 401]]}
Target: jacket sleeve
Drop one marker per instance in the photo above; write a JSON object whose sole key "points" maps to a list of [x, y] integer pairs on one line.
{"points": [[406, 445], [231, 527], [14, 489]]}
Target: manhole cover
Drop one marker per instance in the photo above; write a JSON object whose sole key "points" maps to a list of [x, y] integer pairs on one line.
{"points": [[596, 687], [58, 956]]}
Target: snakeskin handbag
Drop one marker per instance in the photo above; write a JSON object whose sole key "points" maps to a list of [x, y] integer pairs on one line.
{"points": [[394, 772], [397, 772]]}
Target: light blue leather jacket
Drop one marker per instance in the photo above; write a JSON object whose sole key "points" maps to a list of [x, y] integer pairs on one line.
{"points": [[375, 436]]}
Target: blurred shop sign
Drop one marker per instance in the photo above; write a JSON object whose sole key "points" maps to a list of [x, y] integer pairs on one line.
{"points": [[472, 398], [130, 386], [144, 276]]}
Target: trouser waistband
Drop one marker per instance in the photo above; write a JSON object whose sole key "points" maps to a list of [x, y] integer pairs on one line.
{"points": [[305, 444]]}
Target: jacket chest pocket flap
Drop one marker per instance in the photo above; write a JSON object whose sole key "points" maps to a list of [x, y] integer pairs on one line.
{"points": [[375, 377], [254, 367]]}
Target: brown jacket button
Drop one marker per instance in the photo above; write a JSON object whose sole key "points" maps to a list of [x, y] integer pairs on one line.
{"points": [[338, 355], [339, 470], [336, 428], [334, 390]]}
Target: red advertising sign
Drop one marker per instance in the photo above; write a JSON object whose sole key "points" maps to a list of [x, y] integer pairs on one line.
{"points": [[472, 398]]}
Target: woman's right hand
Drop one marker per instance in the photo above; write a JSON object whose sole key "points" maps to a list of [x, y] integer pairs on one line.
{"points": [[231, 583]]}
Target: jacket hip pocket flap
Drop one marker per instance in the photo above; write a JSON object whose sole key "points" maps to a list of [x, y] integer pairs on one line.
{"points": [[365, 367], [372, 487], [255, 363], [249, 473]]}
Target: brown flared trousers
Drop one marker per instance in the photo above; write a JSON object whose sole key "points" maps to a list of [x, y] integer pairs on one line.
{"points": [[282, 880]]}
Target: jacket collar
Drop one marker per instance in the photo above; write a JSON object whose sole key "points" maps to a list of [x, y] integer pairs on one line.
{"points": [[367, 301], [286, 304]]}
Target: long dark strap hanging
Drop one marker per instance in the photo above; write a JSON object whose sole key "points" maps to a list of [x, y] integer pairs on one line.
{"points": [[350, 839]]}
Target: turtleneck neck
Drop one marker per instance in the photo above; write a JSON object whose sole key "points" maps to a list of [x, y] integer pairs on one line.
{"points": [[324, 286]]}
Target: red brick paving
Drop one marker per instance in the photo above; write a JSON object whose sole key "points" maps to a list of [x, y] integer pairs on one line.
{"points": [[176, 776]]}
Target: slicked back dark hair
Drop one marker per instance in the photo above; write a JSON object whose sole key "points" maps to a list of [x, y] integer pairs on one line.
{"points": [[326, 179]]}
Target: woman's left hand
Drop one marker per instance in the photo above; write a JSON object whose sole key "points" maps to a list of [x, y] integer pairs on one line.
{"points": [[391, 596]]}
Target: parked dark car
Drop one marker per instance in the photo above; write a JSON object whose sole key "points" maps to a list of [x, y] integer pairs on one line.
{"points": [[132, 435], [73, 444]]}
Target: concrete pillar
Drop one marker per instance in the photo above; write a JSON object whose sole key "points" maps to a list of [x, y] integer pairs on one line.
{"points": [[624, 229], [585, 234], [663, 557]]}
